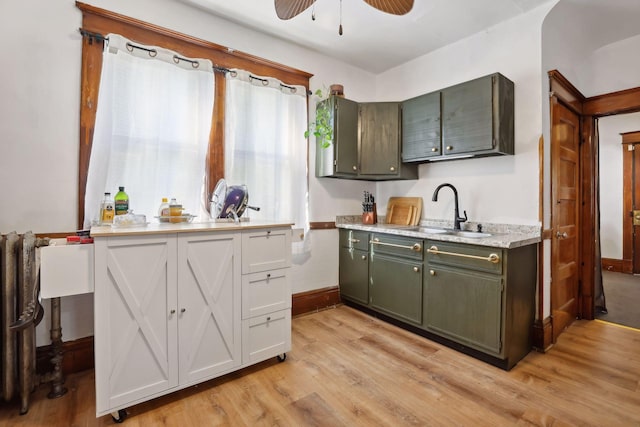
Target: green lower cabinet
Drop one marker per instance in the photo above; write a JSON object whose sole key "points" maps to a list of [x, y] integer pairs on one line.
{"points": [[354, 275], [396, 288], [353, 270], [473, 309]]}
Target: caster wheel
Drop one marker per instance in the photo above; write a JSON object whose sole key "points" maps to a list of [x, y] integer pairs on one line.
{"points": [[281, 358], [119, 417]]}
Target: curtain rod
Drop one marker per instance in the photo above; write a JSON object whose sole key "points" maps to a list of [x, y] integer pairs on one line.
{"points": [[152, 52]]}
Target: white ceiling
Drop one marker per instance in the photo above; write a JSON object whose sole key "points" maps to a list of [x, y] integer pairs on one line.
{"points": [[372, 40]]}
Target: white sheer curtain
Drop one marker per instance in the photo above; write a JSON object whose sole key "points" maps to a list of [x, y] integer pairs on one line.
{"points": [[152, 128], [265, 147]]}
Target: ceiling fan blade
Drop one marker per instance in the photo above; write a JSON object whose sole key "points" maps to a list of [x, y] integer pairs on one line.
{"points": [[287, 9], [395, 7]]}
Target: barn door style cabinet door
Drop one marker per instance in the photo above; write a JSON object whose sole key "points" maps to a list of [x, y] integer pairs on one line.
{"points": [[208, 309], [136, 322]]}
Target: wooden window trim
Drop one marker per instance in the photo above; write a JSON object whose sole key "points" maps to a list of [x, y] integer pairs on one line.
{"points": [[102, 22]]}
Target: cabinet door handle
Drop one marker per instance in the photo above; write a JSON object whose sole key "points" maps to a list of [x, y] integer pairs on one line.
{"points": [[173, 311], [364, 257], [492, 258], [354, 167], [434, 150], [354, 240], [432, 272], [560, 235], [392, 168], [268, 276], [449, 148], [415, 247], [182, 310], [416, 269]]}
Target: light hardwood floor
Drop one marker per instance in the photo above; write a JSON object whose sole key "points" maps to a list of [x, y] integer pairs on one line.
{"points": [[349, 369]]}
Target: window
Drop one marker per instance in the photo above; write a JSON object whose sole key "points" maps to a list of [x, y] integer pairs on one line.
{"points": [[265, 144], [152, 128], [98, 22]]}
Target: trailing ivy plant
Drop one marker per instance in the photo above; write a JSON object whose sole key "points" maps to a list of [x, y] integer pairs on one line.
{"points": [[321, 128]]}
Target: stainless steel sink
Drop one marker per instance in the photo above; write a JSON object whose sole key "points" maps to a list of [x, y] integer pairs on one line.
{"points": [[471, 234], [432, 230]]}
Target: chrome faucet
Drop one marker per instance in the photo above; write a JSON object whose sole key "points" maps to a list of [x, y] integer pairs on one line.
{"points": [[457, 219]]}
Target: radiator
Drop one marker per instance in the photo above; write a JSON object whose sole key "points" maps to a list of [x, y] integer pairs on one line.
{"points": [[20, 312]]}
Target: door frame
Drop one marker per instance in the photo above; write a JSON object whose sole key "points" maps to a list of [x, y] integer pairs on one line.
{"points": [[589, 110]]}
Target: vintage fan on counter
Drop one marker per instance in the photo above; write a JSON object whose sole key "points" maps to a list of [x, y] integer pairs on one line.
{"points": [[287, 9]]}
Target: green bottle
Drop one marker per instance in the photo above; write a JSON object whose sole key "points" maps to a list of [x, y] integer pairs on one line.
{"points": [[121, 202]]}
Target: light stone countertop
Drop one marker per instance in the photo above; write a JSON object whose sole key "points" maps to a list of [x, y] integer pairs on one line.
{"points": [[164, 228], [506, 236]]}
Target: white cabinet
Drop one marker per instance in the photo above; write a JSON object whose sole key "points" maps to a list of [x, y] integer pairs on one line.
{"points": [[178, 308], [208, 305], [266, 294], [136, 352]]}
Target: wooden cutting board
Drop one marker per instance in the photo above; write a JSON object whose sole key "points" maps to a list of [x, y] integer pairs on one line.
{"points": [[404, 210]]}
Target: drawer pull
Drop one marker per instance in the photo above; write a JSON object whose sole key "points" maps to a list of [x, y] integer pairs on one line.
{"points": [[364, 257], [354, 240], [416, 269], [173, 311], [416, 246], [268, 318], [182, 310], [268, 276], [492, 258], [432, 272]]}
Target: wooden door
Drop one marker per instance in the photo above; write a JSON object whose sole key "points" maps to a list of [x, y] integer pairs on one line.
{"points": [[565, 210], [209, 315], [631, 202]]}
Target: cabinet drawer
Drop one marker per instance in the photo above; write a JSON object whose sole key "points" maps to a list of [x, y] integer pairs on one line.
{"points": [[266, 336], [478, 258], [266, 250], [265, 292], [354, 239], [405, 247]]}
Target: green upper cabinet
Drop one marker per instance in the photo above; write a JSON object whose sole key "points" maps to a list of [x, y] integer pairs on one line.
{"points": [[471, 119], [477, 117], [421, 135], [366, 143], [341, 158]]}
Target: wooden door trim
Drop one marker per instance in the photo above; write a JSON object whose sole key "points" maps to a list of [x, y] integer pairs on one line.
{"points": [[561, 89], [623, 101]]}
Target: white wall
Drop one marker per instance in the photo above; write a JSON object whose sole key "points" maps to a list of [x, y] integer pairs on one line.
{"points": [[39, 122], [493, 189], [611, 183]]}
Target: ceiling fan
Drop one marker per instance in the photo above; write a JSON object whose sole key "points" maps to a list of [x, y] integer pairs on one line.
{"points": [[287, 9]]}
